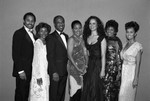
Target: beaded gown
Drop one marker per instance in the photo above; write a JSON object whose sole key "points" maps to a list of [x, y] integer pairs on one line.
{"points": [[75, 76], [112, 77]]}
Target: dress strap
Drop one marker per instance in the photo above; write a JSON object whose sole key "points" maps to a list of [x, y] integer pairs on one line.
{"points": [[101, 37]]}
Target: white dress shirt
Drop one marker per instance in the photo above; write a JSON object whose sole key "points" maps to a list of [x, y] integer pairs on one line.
{"points": [[29, 31], [63, 38]]}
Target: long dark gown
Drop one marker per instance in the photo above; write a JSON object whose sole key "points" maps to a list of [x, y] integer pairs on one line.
{"points": [[92, 83], [112, 78]]}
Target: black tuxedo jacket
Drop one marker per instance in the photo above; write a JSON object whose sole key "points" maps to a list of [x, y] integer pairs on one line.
{"points": [[22, 52], [56, 54]]}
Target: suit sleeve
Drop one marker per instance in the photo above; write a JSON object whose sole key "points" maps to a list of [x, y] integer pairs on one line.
{"points": [[50, 44], [16, 50]]}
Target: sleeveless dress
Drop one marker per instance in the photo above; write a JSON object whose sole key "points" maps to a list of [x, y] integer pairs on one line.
{"points": [[127, 92], [92, 83], [39, 70], [112, 77], [75, 76]]}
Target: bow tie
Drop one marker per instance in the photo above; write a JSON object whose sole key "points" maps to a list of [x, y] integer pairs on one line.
{"points": [[62, 33], [31, 31]]}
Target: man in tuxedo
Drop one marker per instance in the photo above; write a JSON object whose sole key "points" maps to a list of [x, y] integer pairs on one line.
{"points": [[22, 54], [57, 59]]}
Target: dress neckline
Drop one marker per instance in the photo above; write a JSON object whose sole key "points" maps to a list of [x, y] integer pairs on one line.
{"points": [[95, 42], [77, 39], [128, 47], [41, 42]]}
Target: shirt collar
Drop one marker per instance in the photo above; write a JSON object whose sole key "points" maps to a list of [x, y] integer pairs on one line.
{"points": [[58, 32], [27, 29]]}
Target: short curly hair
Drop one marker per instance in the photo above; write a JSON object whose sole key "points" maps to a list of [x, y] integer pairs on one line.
{"points": [[42, 25], [112, 23], [29, 14], [56, 17], [75, 22], [132, 24]]}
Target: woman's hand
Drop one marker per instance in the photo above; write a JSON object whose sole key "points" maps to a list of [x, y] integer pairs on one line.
{"points": [[39, 81], [135, 83], [118, 76], [102, 74], [84, 71]]}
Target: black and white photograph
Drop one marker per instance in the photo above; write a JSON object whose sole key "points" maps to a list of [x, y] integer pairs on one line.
{"points": [[75, 50]]}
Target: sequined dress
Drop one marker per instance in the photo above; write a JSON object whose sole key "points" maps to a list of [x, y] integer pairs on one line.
{"points": [[112, 77]]}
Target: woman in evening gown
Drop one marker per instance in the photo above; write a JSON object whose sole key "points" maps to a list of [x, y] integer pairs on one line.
{"points": [[77, 63], [131, 55], [113, 62], [94, 37], [39, 87]]}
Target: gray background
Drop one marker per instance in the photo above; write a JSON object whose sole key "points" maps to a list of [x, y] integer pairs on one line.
{"points": [[12, 11]]}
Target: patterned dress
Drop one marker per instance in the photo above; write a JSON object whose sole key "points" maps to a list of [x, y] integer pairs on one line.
{"points": [[127, 92], [75, 76], [113, 69]]}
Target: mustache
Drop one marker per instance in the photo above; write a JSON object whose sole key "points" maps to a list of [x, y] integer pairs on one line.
{"points": [[30, 24]]}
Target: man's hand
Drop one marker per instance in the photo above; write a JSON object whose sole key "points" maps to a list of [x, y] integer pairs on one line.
{"points": [[23, 76], [55, 77]]}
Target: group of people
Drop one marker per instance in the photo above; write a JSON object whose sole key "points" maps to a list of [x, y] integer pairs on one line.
{"points": [[98, 67]]}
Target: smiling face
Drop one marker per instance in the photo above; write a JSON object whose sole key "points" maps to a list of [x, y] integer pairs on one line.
{"points": [[29, 22], [93, 25], [130, 33], [59, 24], [77, 29], [110, 32], [43, 33]]}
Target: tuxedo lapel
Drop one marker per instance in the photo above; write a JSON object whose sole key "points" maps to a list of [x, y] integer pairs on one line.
{"points": [[27, 35], [60, 39]]}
